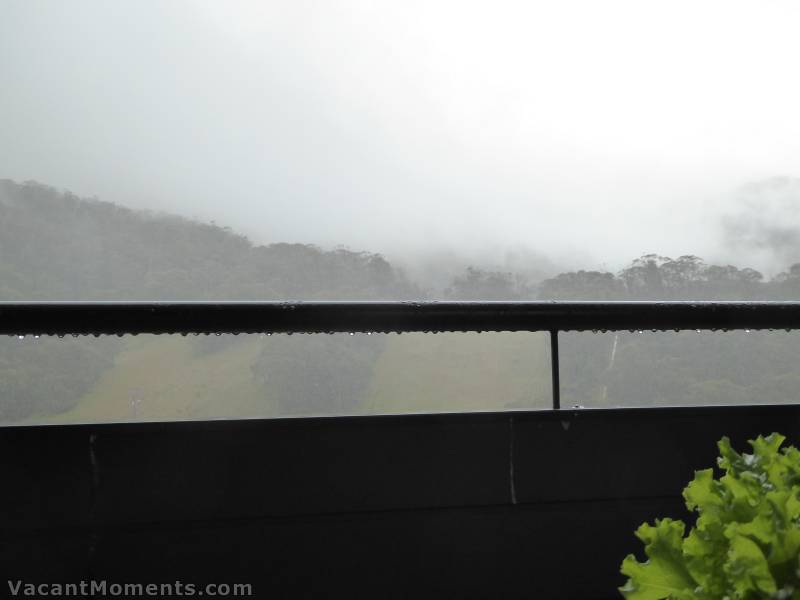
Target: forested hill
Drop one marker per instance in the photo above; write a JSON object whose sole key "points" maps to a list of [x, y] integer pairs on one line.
{"points": [[57, 246], [649, 277]]}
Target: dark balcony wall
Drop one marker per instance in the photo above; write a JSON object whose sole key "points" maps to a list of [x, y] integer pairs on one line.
{"points": [[515, 505]]}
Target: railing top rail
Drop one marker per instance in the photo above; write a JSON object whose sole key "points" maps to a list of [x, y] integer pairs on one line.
{"points": [[98, 318]]}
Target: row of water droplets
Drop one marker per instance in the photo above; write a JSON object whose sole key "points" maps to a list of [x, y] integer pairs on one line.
{"points": [[433, 332]]}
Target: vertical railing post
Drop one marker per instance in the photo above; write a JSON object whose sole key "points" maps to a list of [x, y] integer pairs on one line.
{"points": [[554, 367]]}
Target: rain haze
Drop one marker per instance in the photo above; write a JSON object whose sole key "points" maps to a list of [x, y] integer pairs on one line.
{"points": [[400, 299], [581, 134], [276, 151]]}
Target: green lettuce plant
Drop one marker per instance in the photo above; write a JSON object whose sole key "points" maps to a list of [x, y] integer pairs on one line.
{"points": [[746, 541]]}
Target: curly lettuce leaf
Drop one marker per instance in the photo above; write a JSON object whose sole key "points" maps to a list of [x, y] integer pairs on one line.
{"points": [[745, 544], [747, 569], [664, 574]]}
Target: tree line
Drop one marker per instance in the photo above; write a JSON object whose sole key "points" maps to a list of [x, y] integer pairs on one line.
{"points": [[56, 246]]}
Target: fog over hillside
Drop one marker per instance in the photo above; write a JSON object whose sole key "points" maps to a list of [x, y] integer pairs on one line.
{"points": [[57, 246], [572, 133]]}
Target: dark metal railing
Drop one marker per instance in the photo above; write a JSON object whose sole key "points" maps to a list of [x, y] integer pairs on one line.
{"points": [[109, 318]]}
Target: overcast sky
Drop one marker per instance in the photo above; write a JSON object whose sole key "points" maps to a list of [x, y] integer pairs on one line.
{"points": [[588, 131]]}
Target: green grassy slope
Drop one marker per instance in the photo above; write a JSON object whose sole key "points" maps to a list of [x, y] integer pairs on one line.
{"points": [[461, 372], [163, 378]]}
